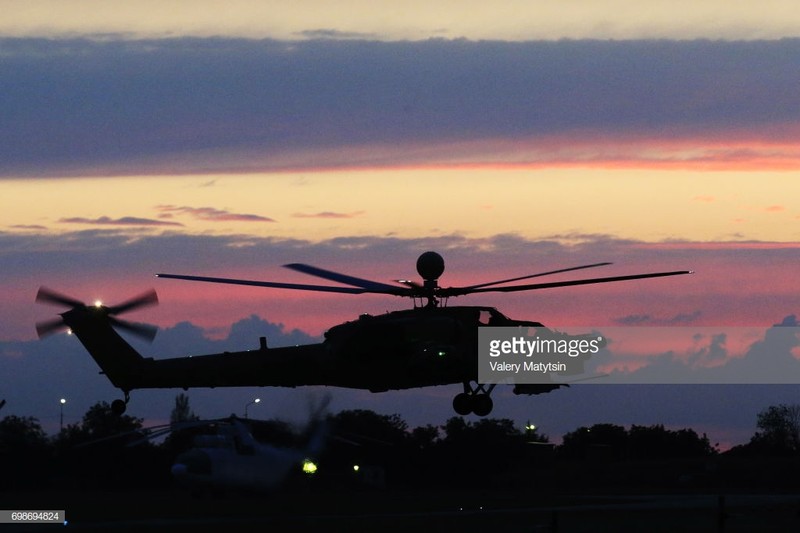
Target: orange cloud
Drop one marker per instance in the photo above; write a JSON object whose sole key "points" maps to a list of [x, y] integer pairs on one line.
{"points": [[703, 198]]}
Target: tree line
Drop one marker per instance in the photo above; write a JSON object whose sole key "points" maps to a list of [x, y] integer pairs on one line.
{"points": [[93, 451]]}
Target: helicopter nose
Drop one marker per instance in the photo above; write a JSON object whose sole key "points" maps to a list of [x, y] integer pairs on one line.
{"points": [[195, 462], [179, 470]]}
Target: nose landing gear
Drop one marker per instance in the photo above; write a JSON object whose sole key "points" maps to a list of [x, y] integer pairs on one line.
{"points": [[474, 400]]}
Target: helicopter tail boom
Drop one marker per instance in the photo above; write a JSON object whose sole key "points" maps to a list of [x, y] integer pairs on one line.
{"points": [[117, 359]]}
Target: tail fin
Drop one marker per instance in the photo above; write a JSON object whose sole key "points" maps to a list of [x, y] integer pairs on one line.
{"points": [[117, 359]]}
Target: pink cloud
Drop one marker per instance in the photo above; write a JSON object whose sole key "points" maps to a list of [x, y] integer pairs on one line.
{"points": [[739, 151], [752, 283]]}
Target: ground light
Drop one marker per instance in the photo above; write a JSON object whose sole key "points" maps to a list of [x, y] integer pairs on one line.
{"points": [[309, 467], [257, 400], [62, 401]]}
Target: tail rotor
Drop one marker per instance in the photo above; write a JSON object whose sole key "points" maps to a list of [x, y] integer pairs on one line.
{"points": [[79, 310]]}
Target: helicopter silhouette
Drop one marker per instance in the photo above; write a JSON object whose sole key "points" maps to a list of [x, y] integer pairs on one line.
{"points": [[231, 458], [428, 345], [224, 455], [234, 459]]}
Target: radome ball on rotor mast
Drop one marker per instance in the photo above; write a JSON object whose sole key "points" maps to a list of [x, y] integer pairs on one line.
{"points": [[430, 266]]}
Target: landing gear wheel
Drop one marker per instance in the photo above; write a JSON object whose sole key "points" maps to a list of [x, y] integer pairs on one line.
{"points": [[462, 403], [118, 407], [474, 400], [482, 404]]}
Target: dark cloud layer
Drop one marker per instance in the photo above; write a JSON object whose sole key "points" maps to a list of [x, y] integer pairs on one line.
{"points": [[211, 214], [122, 221], [328, 215], [73, 105]]}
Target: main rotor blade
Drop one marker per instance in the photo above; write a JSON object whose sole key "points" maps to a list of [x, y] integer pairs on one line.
{"points": [[536, 275], [143, 300], [409, 283], [456, 291], [341, 278], [49, 296], [296, 286]]}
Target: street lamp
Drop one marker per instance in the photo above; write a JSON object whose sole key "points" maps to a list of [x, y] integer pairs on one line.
{"points": [[248, 405], [62, 401]]}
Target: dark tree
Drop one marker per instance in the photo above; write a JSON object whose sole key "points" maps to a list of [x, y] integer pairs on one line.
{"points": [[24, 452], [97, 452], [492, 450], [599, 441], [657, 442], [424, 437], [366, 438], [18, 434], [779, 430], [100, 422], [369, 425], [182, 412]]}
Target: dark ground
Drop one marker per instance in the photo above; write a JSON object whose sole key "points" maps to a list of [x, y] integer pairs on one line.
{"points": [[418, 510]]}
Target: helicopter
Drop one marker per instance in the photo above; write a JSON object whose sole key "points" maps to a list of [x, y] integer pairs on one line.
{"points": [[232, 459], [429, 345], [224, 454]]}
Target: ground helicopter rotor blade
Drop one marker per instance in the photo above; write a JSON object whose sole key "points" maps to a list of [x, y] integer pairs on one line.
{"points": [[455, 291], [146, 434], [399, 291], [142, 435], [143, 300], [510, 280], [48, 327], [341, 278], [49, 296]]}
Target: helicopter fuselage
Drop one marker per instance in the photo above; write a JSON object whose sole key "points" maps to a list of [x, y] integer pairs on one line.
{"points": [[399, 350]]}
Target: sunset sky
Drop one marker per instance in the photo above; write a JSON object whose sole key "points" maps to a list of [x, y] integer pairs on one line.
{"points": [[230, 138]]}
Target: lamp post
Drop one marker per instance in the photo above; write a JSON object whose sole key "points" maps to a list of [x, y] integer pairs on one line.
{"points": [[248, 405], [61, 402]]}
